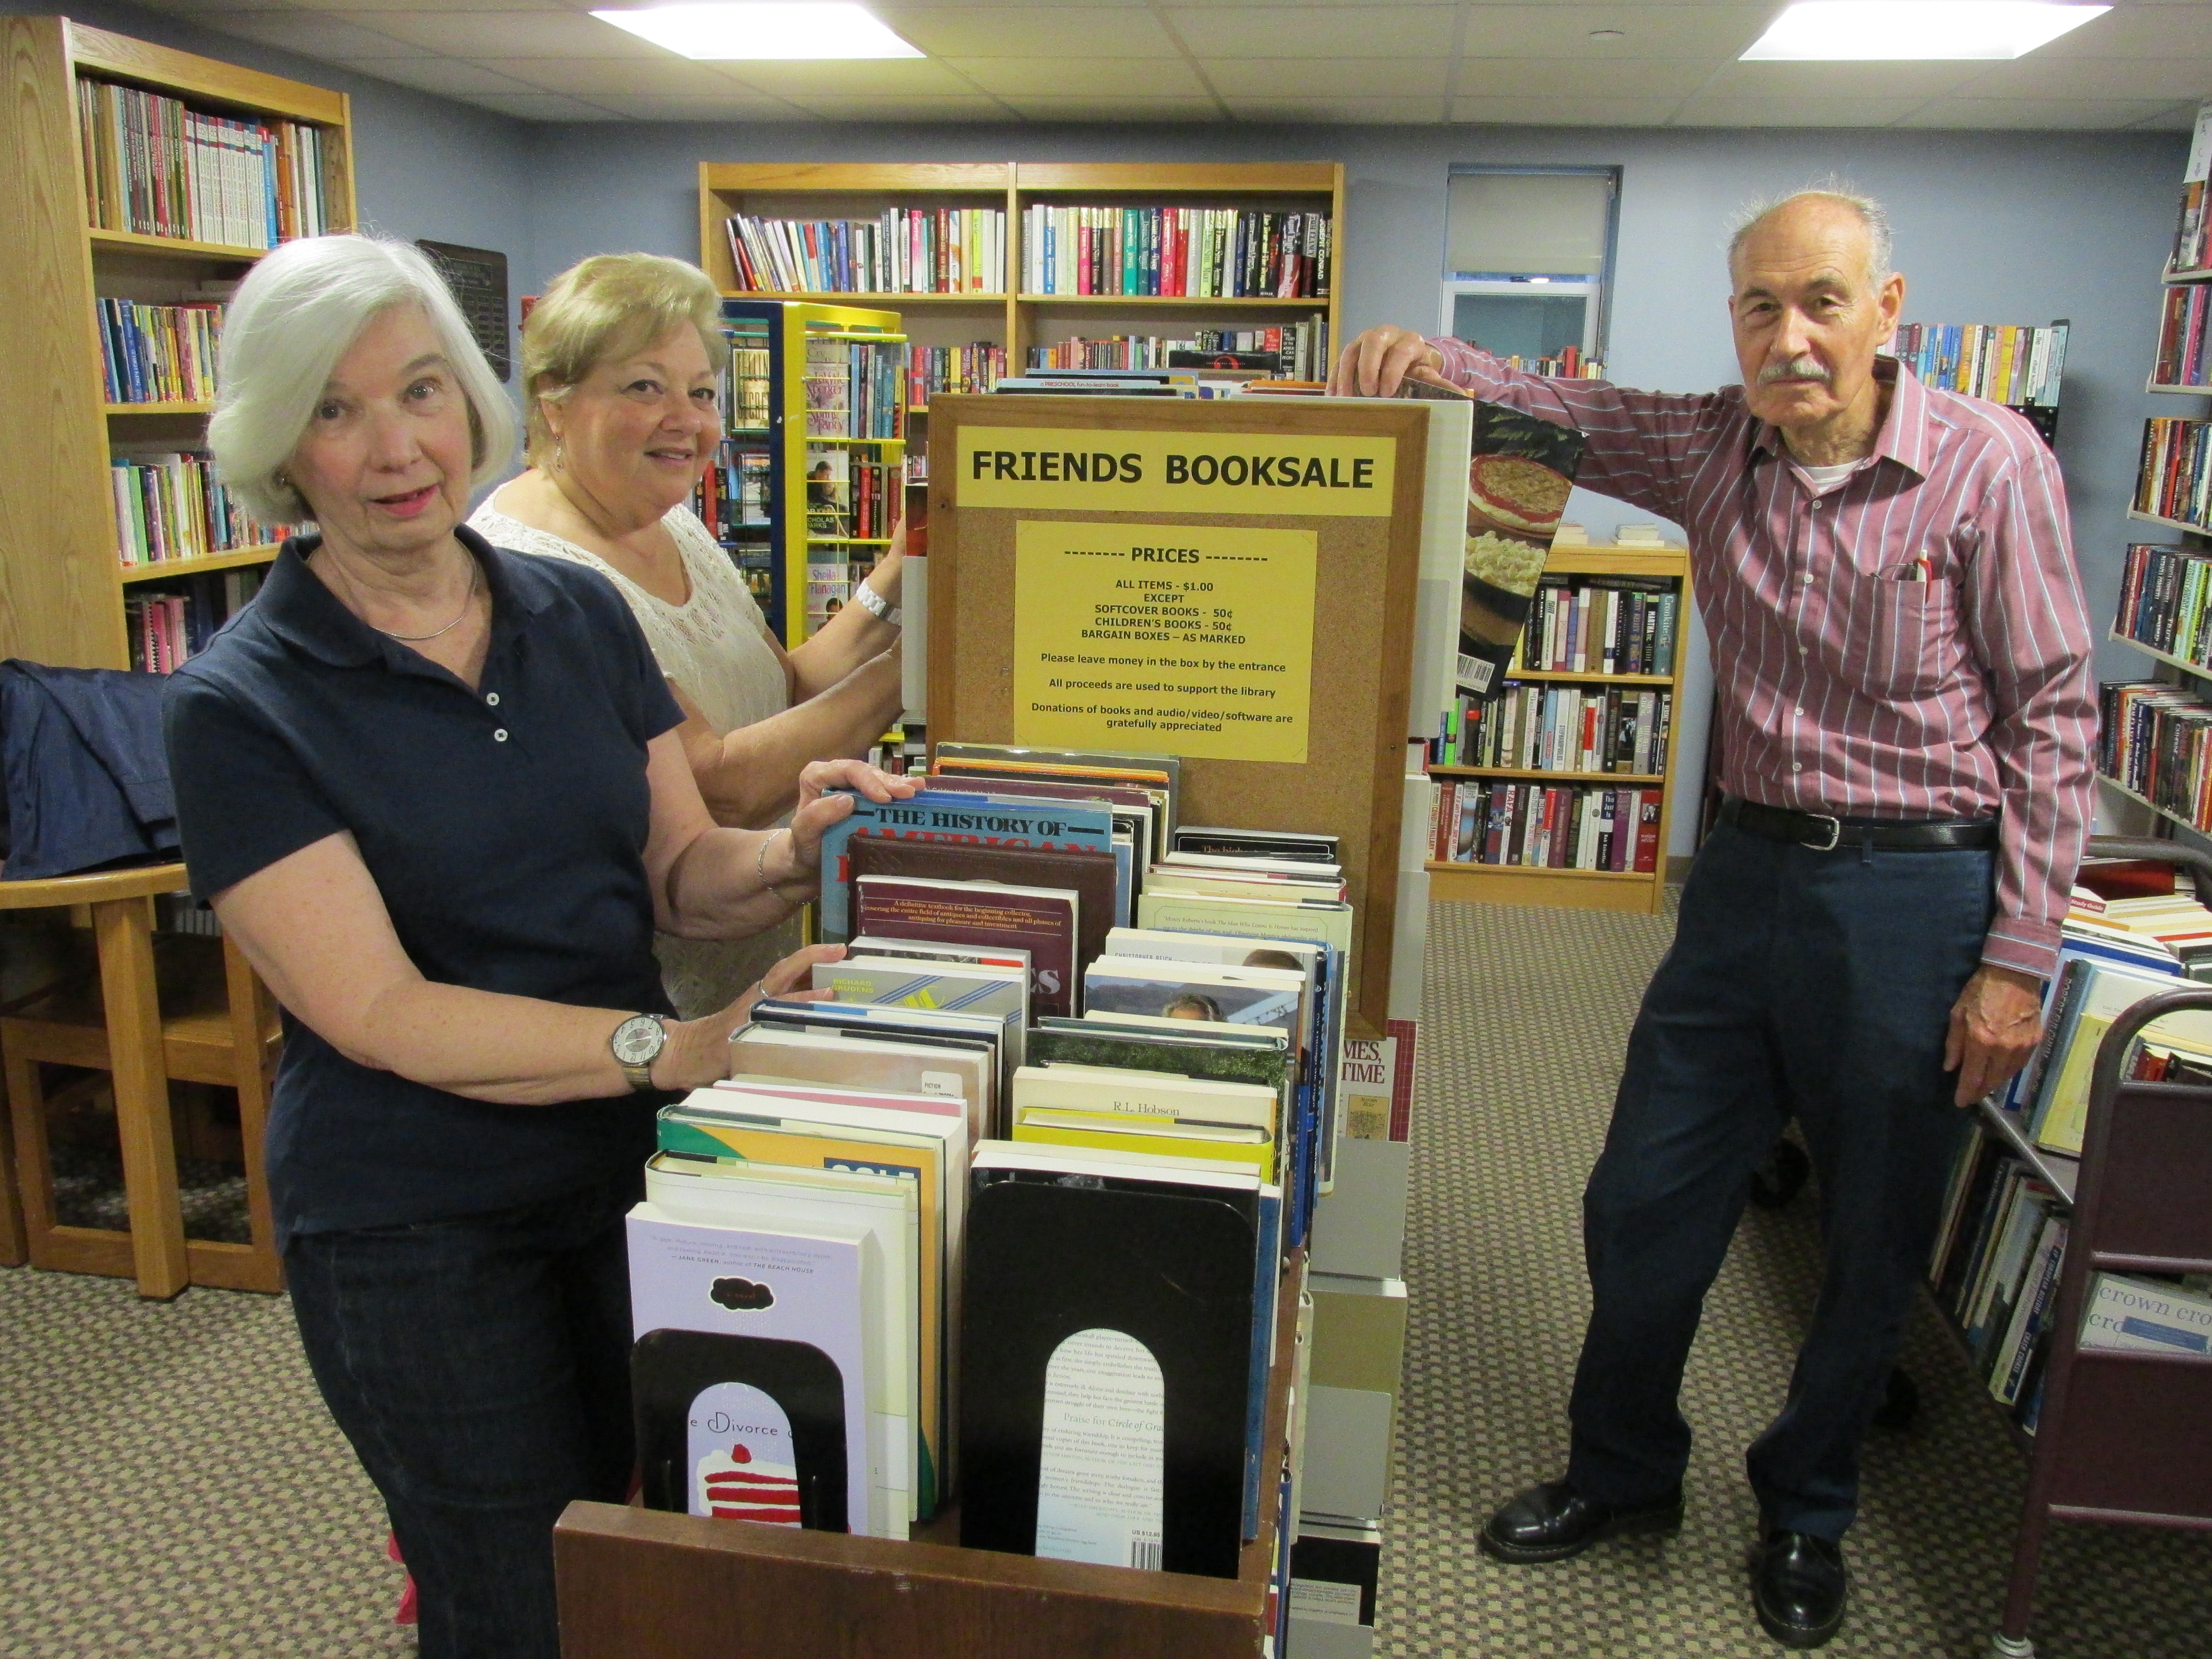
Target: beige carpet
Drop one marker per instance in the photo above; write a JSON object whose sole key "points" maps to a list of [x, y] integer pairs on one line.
{"points": [[171, 1488], [1527, 1016]]}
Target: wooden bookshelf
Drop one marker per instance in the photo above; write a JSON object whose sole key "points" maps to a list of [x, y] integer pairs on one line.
{"points": [[62, 585], [1587, 890], [2169, 524]]}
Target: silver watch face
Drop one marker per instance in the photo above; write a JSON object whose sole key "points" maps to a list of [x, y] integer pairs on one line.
{"points": [[639, 1040]]}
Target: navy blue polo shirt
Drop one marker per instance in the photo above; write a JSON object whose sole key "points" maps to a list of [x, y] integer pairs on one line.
{"points": [[505, 827]]}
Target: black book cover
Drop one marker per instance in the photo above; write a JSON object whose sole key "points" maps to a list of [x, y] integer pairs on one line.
{"points": [[1176, 1274]]}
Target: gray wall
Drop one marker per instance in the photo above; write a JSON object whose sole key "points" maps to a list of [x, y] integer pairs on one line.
{"points": [[1991, 227]]}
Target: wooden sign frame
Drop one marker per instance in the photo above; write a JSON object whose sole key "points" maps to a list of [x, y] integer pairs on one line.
{"points": [[1352, 782]]}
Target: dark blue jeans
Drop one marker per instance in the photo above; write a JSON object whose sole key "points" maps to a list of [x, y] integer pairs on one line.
{"points": [[480, 1366], [1805, 984]]}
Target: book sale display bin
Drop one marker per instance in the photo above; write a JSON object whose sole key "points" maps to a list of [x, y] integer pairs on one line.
{"points": [[64, 589], [1024, 573], [1586, 889], [2121, 1436]]}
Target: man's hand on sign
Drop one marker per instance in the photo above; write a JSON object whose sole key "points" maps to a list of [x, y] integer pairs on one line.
{"points": [[1373, 365]]}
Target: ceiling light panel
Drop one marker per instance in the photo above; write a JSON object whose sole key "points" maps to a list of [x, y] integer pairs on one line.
{"points": [[763, 31], [1894, 30]]}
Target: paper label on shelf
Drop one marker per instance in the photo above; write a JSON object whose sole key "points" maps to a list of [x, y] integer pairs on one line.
{"points": [[1102, 1470], [1193, 640], [2200, 148], [1274, 474]]}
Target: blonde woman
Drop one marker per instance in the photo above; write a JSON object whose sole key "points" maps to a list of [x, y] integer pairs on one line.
{"points": [[620, 360], [434, 792]]}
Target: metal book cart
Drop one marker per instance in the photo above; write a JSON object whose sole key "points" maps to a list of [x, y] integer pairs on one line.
{"points": [[2125, 1436]]}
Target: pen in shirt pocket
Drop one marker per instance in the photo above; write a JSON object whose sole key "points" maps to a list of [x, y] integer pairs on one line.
{"points": [[1918, 571]]}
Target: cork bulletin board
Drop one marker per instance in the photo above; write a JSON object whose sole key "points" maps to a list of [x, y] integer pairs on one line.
{"points": [[1232, 582]]}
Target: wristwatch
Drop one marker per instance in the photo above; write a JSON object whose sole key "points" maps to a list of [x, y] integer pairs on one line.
{"points": [[636, 1044]]}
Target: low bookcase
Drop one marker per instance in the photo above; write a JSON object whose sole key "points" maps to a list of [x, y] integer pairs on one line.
{"points": [[1586, 889], [638, 1583]]}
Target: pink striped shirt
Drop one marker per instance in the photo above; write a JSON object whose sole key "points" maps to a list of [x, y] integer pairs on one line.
{"points": [[1847, 687]]}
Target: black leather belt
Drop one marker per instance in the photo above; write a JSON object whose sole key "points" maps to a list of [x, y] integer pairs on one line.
{"points": [[1824, 834]]}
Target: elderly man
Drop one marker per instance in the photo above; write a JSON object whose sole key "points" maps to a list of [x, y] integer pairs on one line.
{"points": [[1905, 719]]}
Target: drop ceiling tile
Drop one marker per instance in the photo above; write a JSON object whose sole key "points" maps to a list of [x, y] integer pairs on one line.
{"points": [[886, 9], [1567, 112], [511, 34], [905, 77], [1035, 32], [1034, 108], [1575, 77], [837, 108], [352, 8], [1341, 77], [2138, 31], [1100, 80], [200, 8], [2182, 117], [588, 76], [314, 35], [449, 77], [1711, 32], [700, 107], [2094, 77], [2033, 114], [1377, 112], [1794, 112], [543, 106], [1410, 32], [1832, 81]]}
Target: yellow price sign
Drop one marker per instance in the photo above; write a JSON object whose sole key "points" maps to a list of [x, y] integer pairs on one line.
{"points": [[1191, 640]]}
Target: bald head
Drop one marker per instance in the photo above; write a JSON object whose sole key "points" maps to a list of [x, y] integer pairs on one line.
{"points": [[1838, 218]]}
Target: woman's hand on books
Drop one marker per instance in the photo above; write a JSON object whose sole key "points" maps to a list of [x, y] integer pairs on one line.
{"points": [[1375, 364], [793, 866], [698, 1051], [1995, 1026]]}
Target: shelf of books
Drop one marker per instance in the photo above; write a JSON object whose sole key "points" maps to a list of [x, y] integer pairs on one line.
{"points": [[2018, 365], [1554, 789], [142, 183], [809, 478]]}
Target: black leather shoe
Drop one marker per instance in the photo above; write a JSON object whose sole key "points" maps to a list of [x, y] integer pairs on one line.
{"points": [[1553, 1522], [1800, 1589]]}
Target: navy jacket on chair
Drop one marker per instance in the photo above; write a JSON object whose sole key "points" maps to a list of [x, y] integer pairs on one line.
{"points": [[87, 775]]}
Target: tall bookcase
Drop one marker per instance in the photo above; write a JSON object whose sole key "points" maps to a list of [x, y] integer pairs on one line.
{"points": [[1585, 890], [63, 585], [1003, 315], [785, 415]]}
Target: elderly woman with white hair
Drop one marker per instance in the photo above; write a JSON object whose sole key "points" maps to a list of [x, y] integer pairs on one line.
{"points": [[619, 360], [436, 793]]}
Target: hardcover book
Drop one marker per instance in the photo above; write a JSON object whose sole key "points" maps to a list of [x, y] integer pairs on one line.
{"points": [[1090, 877], [1040, 922]]}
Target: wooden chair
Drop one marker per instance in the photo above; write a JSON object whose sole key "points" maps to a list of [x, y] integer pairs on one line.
{"points": [[221, 1028]]}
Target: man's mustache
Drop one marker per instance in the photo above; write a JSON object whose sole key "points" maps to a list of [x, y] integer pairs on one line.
{"points": [[1796, 368]]}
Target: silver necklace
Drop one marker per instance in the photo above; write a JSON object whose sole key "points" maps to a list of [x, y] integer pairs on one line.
{"points": [[467, 600]]}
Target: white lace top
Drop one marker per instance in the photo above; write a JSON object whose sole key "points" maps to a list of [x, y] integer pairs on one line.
{"points": [[716, 647]]}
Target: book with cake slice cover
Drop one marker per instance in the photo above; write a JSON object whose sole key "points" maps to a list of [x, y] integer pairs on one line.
{"points": [[1108, 1342], [1091, 876], [1043, 921], [1059, 1167], [932, 815], [967, 1072], [726, 1193], [811, 1286]]}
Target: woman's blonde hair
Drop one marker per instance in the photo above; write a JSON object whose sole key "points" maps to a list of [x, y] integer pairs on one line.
{"points": [[603, 308], [300, 310]]}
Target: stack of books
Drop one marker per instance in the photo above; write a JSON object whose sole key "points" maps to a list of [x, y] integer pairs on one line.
{"points": [[2182, 353], [1298, 351], [156, 166], [906, 250], [2005, 362], [1995, 1267], [1559, 728], [160, 353], [931, 370], [1600, 625], [1174, 252], [1003, 1216], [2174, 480], [2151, 739], [168, 628], [169, 505], [853, 388], [1543, 826], [2164, 601]]}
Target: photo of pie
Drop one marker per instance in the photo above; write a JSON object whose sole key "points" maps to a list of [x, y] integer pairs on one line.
{"points": [[1515, 493]]}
